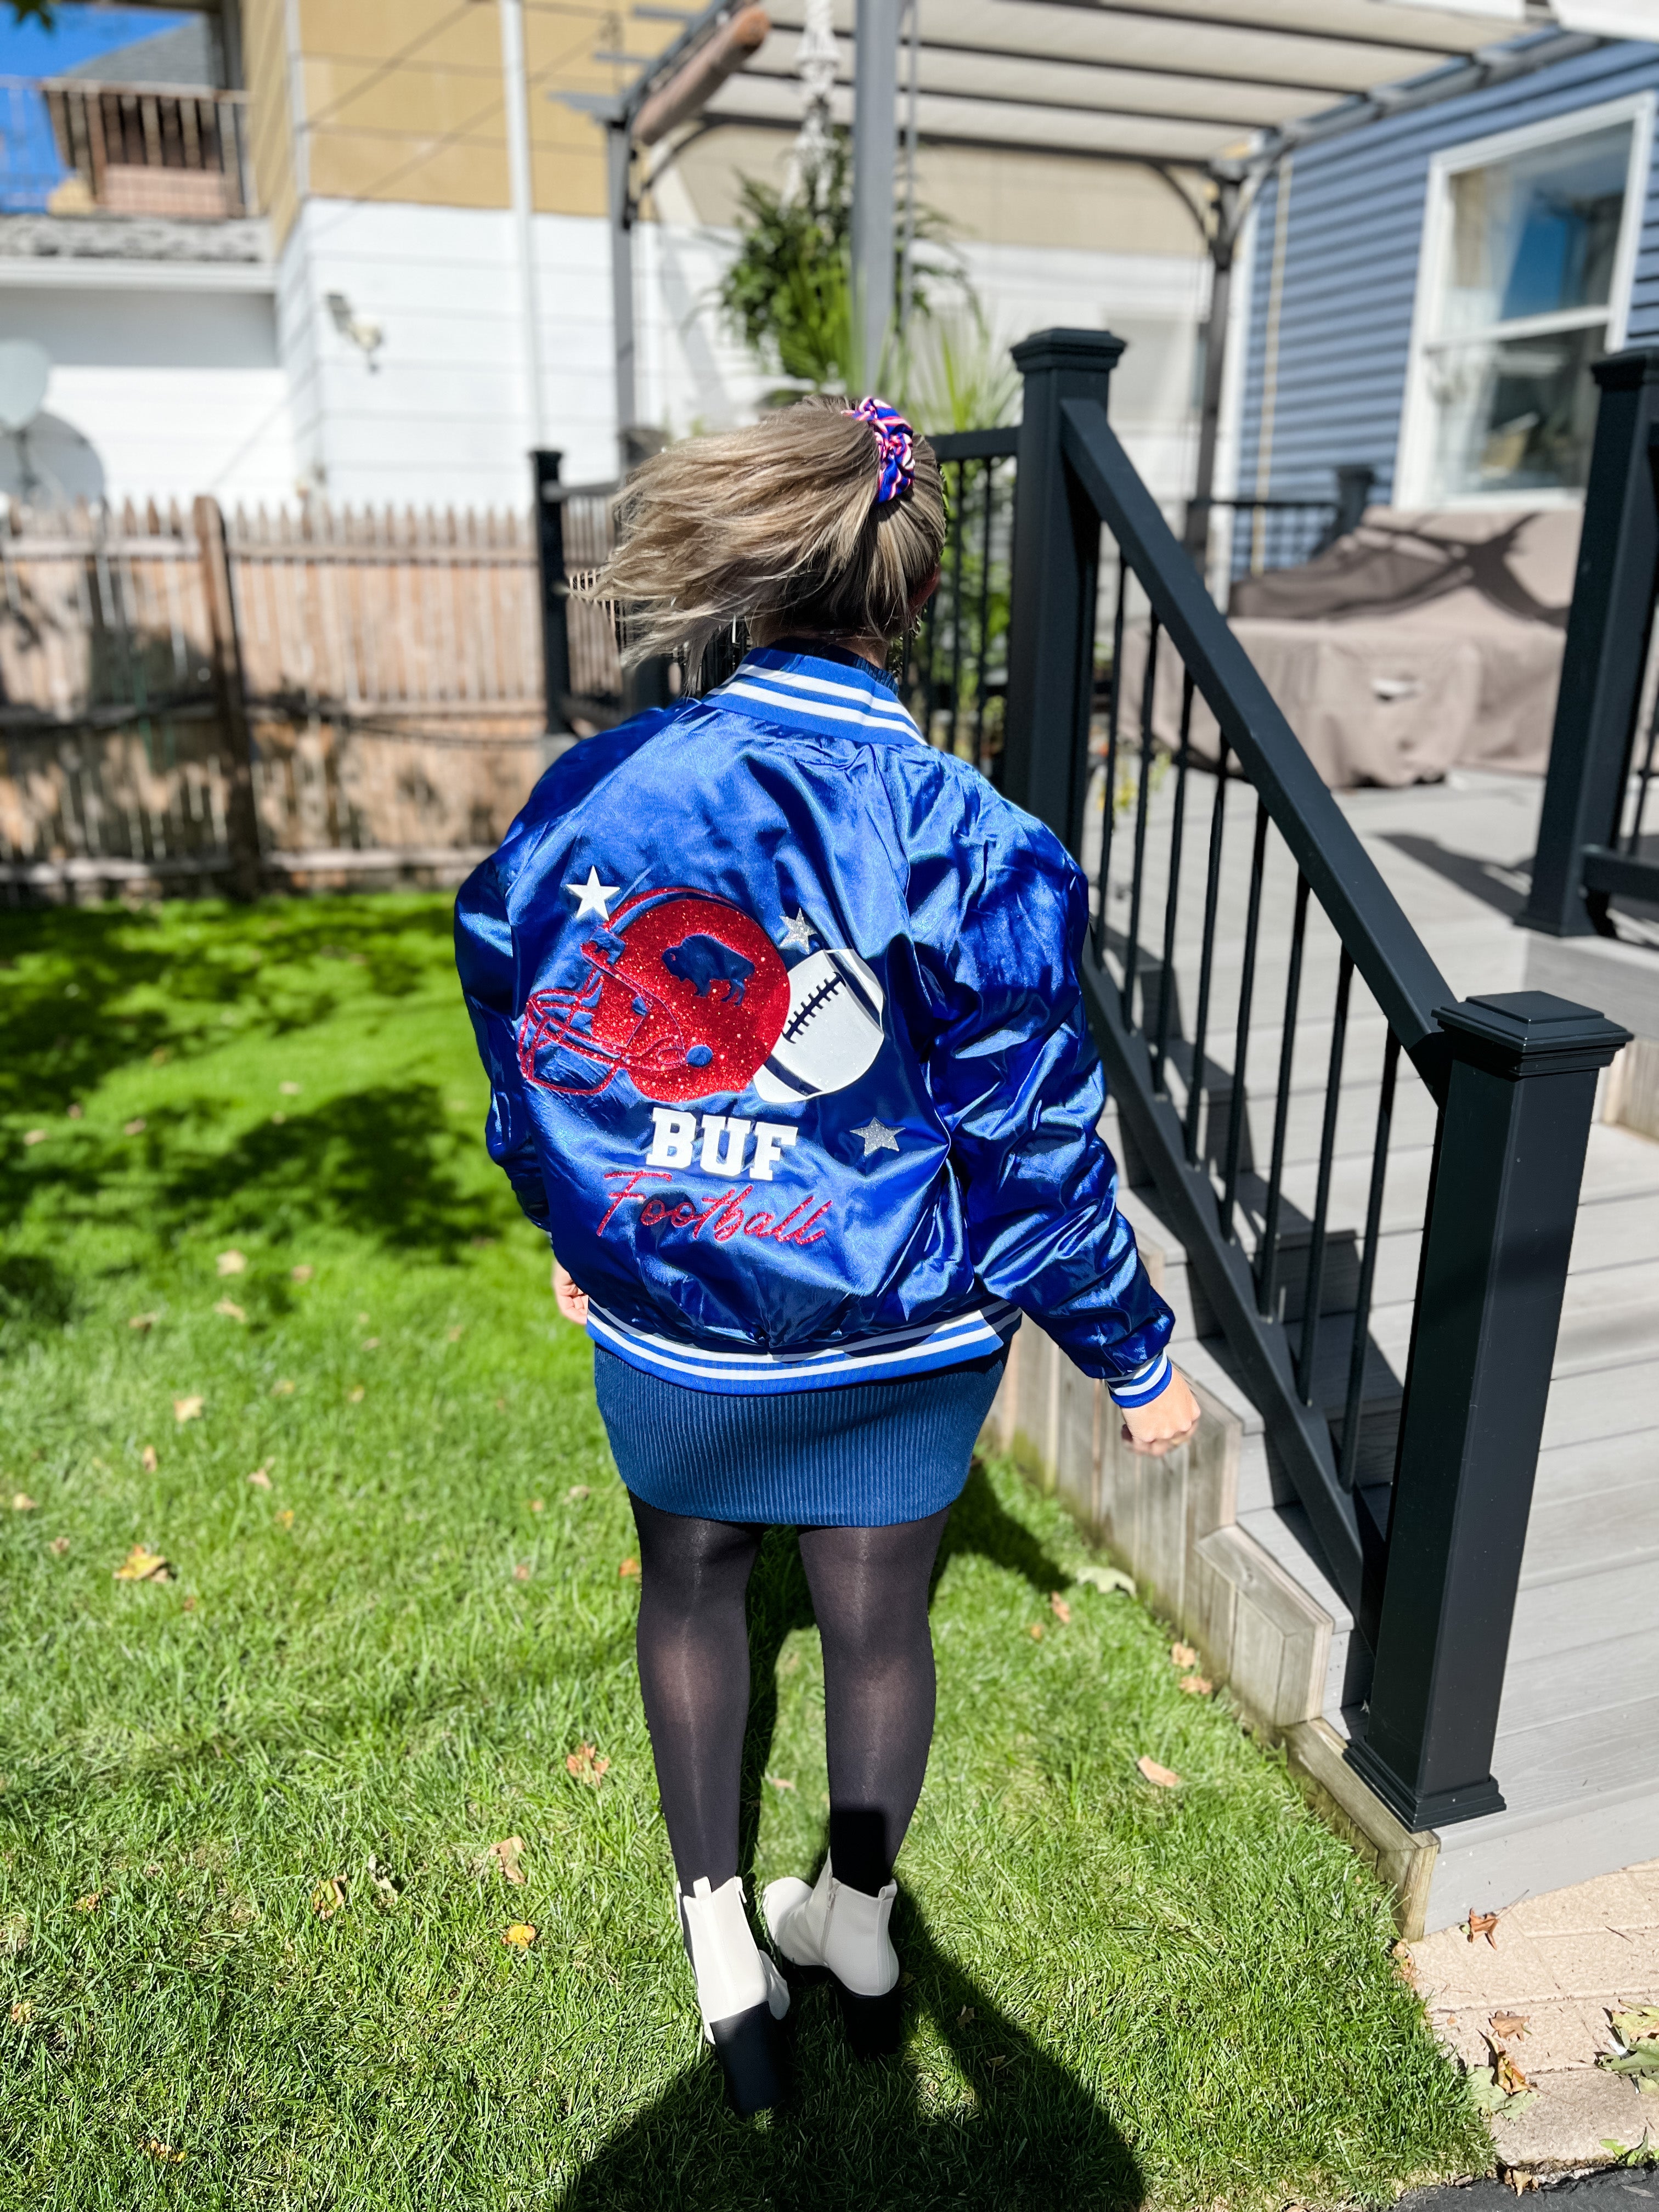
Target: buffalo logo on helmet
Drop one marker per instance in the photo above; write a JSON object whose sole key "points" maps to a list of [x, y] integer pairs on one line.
{"points": [[687, 997]]}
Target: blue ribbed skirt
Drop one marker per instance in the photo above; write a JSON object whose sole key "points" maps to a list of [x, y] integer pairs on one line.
{"points": [[861, 1456]]}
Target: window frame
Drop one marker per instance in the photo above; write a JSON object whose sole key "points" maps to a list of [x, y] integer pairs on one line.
{"points": [[1414, 455]]}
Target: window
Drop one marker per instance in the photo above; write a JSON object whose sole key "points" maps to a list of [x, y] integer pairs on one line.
{"points": [[1527, 252]]}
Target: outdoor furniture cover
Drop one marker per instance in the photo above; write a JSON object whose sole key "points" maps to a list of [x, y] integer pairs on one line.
{"points": [[1416, 643]]}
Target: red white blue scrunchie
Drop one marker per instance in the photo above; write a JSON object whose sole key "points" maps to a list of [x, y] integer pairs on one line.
{"points": [[896, 441]]}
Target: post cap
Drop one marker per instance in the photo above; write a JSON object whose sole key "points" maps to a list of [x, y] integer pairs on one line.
{"points": [[1526, 1033], [1622, 372], [1090, 350]]}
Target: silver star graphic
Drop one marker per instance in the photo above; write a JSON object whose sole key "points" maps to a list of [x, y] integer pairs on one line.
{"points": [[878, 1136], [591, 895], [798, 931]]}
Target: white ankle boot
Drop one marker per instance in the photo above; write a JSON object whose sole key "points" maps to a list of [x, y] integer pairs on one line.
{"points": [[845, 1931], [740, 1993]]}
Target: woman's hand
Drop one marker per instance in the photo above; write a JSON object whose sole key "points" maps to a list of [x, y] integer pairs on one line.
{"points": [[572, 1302], [1168, 1421]]}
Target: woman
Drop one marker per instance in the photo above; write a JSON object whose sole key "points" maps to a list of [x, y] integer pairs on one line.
{"points": [[780, 1010]]}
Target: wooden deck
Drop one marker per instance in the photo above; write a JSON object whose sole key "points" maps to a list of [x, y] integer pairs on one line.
{"points": [[1578, 1752]]}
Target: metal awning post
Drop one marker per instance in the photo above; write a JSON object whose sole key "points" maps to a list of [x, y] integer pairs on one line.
{"points": [[619, 167], [875, 111], [1223, 239]]}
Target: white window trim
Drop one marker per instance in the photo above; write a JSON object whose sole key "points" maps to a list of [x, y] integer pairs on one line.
{"points": [[1414, 457]]}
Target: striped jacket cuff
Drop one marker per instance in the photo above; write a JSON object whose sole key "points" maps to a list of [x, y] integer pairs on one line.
{"points": [[1153, 1381]]}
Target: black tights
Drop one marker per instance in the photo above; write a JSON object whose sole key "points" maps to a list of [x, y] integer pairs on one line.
{"points": [[870, 1593]]}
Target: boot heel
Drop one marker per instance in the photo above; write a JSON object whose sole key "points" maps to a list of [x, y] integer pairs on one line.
{"points": [[873, 2025], [747, 2045]]}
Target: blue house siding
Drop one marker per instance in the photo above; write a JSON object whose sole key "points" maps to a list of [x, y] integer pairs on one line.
{"points": [[1349, 281]]}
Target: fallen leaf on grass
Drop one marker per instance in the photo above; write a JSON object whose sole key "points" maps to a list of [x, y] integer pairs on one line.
{"points": [[506, 1858], [355, 1397], [260, 1479], [519, 1935], [1482, 1923], [289, 1089], [454, 1335], [1506, 2024], [577, 1490], [230, 1309], [1107, 1579], [143, 1567], [277, 1120], [282, 1389], [1035, 1632], [142, 1321], [781, 1782], [1058, 1607], [1405, 1965], [232, 1263], [386, 1891], [1496, 2102], [74, 1112], [535, 1505], [1183, 1655], [1198, 1684], [371, 1344], [629, 1566], [964, 2015], [89, 1902], [302, 1273], [136, 1127], [160, 1056], [586, 1765], [1163, 1778], [188, 1604], [187, 1409], [328, 1897], [164, 2154], [283, 1516], [60, 1545], [521, 1572], [14, 1934], [34, 1136], [22, 1503], [147, 1458], [1518, 2181], [22, 2013]]}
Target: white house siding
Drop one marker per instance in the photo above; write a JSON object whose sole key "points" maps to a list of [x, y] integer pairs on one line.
{"points": [[1348, 281], [442, 419], [164, 383]]}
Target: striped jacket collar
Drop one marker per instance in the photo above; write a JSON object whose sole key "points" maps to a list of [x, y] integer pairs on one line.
{"points": [[812, 691]]}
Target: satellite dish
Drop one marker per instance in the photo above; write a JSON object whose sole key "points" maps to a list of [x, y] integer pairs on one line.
{"points": [[24, 370]]}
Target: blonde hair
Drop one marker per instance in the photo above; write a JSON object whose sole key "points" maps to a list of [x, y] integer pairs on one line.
{"points": [[778, 521]]}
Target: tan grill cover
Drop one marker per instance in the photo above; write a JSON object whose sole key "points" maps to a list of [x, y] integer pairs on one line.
{"points": [[1418, 642]]}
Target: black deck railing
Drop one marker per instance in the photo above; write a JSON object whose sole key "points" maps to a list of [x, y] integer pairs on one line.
{"points": [[1594, 844], [1282, 533], [1406, 1135], [955, 674]]}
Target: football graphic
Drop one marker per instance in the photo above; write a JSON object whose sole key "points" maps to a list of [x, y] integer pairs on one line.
{"points": [[831, 1033]]}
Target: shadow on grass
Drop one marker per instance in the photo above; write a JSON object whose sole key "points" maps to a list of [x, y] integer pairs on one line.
{"points": [[1029, 2134], [70, 1023], [853, 2135], [386, 1163]]}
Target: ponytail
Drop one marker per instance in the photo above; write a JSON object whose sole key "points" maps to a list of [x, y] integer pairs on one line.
{"points": [[806, 518]]}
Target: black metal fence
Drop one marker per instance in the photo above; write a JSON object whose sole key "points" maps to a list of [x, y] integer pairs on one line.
{"points": [[1376, 1184], [1594, 844], [955, 674], [1281, 533]]}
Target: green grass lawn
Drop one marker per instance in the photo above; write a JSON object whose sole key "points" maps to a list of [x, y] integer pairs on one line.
{"points": [[363, 1671]]}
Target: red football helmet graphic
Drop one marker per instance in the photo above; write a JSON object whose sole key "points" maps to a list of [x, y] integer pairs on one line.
{"points": [[684, 994]]}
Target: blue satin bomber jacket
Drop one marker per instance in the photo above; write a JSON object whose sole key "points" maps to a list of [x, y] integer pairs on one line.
{"points": [[788, 1052]]}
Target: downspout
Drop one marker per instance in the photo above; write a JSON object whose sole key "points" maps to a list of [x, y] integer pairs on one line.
{"points": [[1264, 443]]}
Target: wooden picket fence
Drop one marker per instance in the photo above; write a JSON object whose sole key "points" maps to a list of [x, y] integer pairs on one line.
{"points": [[313, 699]]}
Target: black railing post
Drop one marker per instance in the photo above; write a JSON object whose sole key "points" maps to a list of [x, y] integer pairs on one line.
{"points": [[1606, 651], [1503, 1200], [549, 513], [1051, 640]]}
